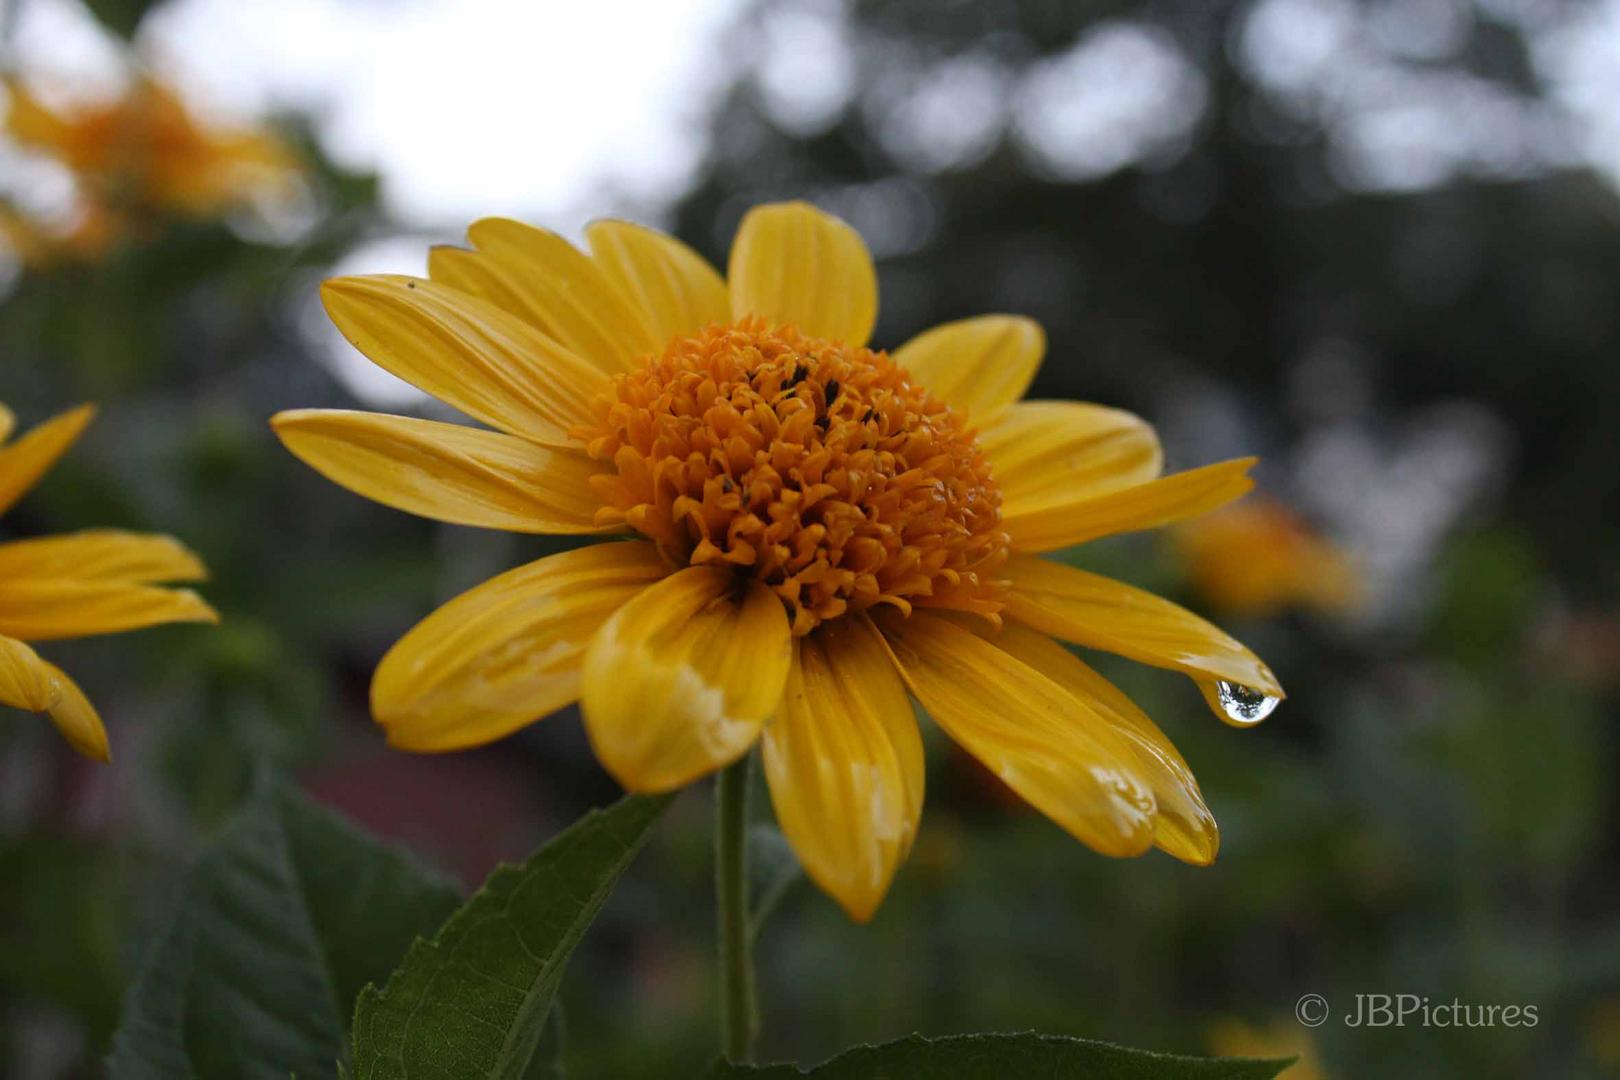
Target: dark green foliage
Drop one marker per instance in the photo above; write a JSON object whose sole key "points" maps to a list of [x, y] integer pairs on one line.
{"points": [[473, 1001], [288, 914], [997, 1057]]}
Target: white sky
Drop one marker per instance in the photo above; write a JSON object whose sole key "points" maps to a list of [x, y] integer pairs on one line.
{"points": [[558, 111], [465, 107]]}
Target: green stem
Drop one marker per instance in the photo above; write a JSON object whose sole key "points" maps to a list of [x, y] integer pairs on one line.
{"points": [[737, 1017]]}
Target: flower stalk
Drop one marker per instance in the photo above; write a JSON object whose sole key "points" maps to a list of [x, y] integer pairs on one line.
{"points": [[738, 1018]]}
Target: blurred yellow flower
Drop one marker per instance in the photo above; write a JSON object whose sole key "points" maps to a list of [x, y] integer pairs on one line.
{"points": [[1232, 1037], [36, 244], [822, 530], [1603, 1031], [76, 585], [139, 158], [1258, 558]]}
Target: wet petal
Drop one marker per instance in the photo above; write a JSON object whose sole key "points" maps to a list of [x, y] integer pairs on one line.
{"points": [[102, 555], [43, 610], [679, 681], [1063, 519], [844, 761], [568, 294], [77, 719], [979, 365], [675, 287], [1041, 448], [1184, 826], [468, 353], [1101, 613], [1027, 730], [447, 472], [26, 681], [793, 263], [23, 462], [507, 652]]}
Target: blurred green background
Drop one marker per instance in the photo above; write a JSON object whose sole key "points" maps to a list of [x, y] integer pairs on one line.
{"points": [[1375, 241]]}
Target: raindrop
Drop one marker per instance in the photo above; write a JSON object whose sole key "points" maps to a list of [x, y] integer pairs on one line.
{"points": [[1239, 705]]}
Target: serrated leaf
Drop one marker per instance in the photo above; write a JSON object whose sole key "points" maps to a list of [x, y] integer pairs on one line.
{"points": [[289, 912], [995, 1057], [473, 1001]]}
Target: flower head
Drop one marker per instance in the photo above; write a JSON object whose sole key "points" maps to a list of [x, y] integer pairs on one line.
{"points": [[76, 585], [139, 158], [818, 533], [812, 466]]}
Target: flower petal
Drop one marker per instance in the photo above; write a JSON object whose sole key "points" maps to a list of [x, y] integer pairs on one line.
{"points": [[77, 719], [1184, 827], [978, 365], [1028, 730], [29, 682], [23, 462], [507, 652], [1063, 519], [448, 472], [675, 287], [793, 263], [844, 761], [1101, 613], [44, 610], [1041, 448], [476, 273], [102, 555], [572, 298], [26, 681], [468, 353], [8, 422], [679, 681]]}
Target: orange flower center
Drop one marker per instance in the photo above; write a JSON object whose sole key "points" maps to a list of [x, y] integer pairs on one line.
{"points": [[816, 468]]}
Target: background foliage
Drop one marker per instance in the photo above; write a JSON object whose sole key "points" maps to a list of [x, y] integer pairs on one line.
{"points": [[1420, 344]]}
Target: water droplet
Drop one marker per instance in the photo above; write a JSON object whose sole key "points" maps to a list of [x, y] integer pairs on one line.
{"points": [[1239, 705]]}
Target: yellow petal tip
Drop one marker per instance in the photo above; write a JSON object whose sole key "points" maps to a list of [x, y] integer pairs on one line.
{"points": [[194, 608]]}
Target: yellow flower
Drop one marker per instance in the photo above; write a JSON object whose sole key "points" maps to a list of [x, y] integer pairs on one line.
{"points": [[1258, 558], [144, 156], [823, 531], [84, 583]]}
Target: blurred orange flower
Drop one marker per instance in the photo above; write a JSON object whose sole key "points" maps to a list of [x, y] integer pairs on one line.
{"points": [[1259, 558], [99, 581], [1232, 1037], [138, 159]]}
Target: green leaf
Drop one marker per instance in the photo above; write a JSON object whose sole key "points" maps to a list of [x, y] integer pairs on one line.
{"points": [[59, 925], [995, 1057], [122, 17], [473, 1001], [286, 916], [547, 1063]]}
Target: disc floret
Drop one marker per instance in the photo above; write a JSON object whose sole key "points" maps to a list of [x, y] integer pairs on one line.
{"points": [[812, 466]]}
